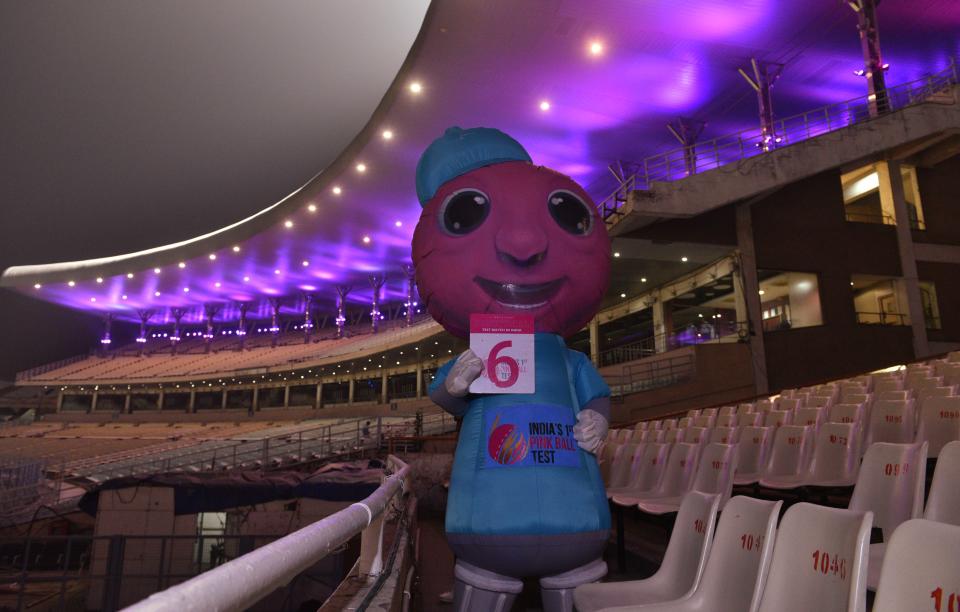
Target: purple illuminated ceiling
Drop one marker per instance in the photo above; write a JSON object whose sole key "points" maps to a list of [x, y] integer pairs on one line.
{"points": [[494, 63]]}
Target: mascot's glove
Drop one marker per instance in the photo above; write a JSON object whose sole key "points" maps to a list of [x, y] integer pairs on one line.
{"points": [[590, 430], [465, 370]]}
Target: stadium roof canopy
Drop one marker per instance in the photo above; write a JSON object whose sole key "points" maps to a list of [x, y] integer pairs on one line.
{"points": [[582, 84]]}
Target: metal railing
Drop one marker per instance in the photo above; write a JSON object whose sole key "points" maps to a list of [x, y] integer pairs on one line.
{"points": [[882, 318], [240, 583], [719, 331], [653, 374], [47, 367], [685, 161]]}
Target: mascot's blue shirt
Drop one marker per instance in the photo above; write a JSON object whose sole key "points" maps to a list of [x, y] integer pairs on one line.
{"points": [[518, 469]]}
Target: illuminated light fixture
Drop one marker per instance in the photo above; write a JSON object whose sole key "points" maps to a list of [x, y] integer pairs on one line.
{"points": [[361, 168], [37, 285], [366, 240], [387, 135], [623, 295], [544, 105], [277, 271], [416, 87], [236, 249], [305, 263], [71, 284], [156, 294], [616, 254], [181, 265], [186, 289], [398, 223], [312, 207], [761, 292], [246, 279], [288, 224], [860, 72], [156, 270], [93, 299], [129, 274], [99, 279], [123, 297], [643, 279], [212, 257], [217, 284], [336, 190], [684, 259], [596, 48]]}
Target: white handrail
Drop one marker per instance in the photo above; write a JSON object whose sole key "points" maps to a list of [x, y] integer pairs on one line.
{"points": [[239, 584]]}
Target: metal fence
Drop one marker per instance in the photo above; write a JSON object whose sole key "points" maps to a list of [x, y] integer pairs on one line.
{"points": [[24, 488], [725, 331], [708, 155], [653, 374]]}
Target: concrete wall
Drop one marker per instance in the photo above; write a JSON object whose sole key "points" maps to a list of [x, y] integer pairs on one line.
{"points": [[940, 195]]}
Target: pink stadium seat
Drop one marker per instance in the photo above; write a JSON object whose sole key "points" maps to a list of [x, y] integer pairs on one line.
{"points": [[677, 476], [810, 416], [939, 423], [776, 418], [666, 424], [836, 456], [786, 404], [682, 567], [620, 470], [922, 570], [685, 422], [646, 472], [674, 435], [705, 421], [750, 419], [727, 411], [891, 421], [724, 435], [727, 420], [754, 449], [696, 435], [943, 501], [789, 457], [819, 561], [718, 462]]}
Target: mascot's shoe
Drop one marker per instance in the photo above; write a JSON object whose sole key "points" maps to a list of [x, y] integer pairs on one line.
{"points": [[478, 590], [557, 591]]}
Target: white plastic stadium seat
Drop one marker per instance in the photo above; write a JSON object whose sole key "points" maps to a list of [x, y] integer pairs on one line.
{"points": [[682, 567], [677, 476], [622, 464], [789, 457], [647, 471], [810, 416], [718, 462], [889, 383], [705, 421], [890, 484], [787, 404], [847, 413], [607, 453], [666, 424], [685, 422], [943, 501], [674, 435], [724, 435], [727, 411], [709, 412], [891, 421], [696, 435], [922, 571], [836, 456], [726, 420], [750, 419], [819, 561], [754, 449], [736, 569], [776, 418], [693, 413], [939, 423]]}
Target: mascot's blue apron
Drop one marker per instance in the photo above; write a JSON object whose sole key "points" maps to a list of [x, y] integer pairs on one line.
{"points": [[518, 469]]}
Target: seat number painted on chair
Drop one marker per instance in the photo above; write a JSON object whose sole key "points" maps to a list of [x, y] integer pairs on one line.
{"points": [[718, 465], [895, 469], [835, 439], [699, 526], [950, 414], [953, 602], [748, 541], [893, 418], [793, 440], [826, 564]]}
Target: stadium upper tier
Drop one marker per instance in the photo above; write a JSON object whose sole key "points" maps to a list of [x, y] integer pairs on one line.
{"points": [[596, 84]]}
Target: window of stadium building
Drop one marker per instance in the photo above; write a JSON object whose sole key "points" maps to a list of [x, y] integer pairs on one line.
{"points": [[881, 300], [867, 195], [789, 300]]}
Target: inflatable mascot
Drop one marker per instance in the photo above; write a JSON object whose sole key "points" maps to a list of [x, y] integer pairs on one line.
{"points": [[501, 235]]}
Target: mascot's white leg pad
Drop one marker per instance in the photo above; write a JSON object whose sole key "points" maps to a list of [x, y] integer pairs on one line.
{"points": [[557, 591], [480, 590]]}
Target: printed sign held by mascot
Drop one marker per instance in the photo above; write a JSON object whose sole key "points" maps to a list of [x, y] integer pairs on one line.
{"points": [[500, 235]]}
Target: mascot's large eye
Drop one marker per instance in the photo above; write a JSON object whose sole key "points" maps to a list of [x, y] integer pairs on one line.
{"points": [[463, 211], [570, 212]]}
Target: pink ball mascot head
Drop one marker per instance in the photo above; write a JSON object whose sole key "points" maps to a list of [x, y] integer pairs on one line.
{"points": [[501, 235]]}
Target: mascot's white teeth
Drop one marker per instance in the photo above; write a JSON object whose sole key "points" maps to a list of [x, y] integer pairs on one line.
{"points": [[514, 295]]}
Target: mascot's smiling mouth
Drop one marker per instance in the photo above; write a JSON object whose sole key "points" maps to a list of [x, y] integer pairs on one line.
{"points": [[515, 295]]}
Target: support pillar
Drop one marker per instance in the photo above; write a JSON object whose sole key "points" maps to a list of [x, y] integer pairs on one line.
{"points": [[747, 274], [242, 325], [764, 76], [93, 401], [142, 338], [740, 301], [192, 404], [351, 386], [286, 396], [127, 403], [410, 304], [662, 324], [105, 341], [274, 321], [223, 399], [59, 401], [307, 317], [209, 312], [383, 387], [342, 292], [594, 327], [255, 400], [687, 131], [318, 401], [160, 400], [873, 65], [376, 282], [419, 380], [910, 282], [175, 337]]}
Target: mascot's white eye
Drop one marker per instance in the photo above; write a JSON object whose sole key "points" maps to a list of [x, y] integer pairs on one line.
{"points": [[570, 212], [464, 211]]}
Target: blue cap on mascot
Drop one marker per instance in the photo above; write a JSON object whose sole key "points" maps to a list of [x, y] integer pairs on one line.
{"points": [[459, 151]]}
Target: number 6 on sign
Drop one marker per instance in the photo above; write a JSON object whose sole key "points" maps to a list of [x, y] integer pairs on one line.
{"points": [[505, 343]]}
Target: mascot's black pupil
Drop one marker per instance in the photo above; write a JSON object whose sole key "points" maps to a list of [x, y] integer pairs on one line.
{"points": [[570, 212], [465, 211]]}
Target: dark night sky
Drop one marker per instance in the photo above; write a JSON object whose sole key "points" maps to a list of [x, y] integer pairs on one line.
{"points": [[127, 125]]}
